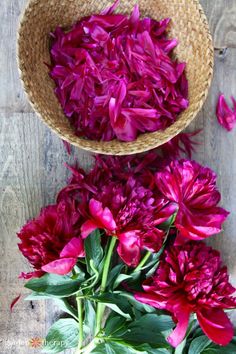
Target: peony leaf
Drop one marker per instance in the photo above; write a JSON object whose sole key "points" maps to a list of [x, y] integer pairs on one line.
{"points": [[120, 279], [114, 324], [90, 317], [116, 348], [198, 345], [113, 275], [93, 251], [56, 285], [62, 335]]}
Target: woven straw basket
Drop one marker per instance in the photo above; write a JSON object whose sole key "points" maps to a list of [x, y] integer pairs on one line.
{"points": [[189, 25]]}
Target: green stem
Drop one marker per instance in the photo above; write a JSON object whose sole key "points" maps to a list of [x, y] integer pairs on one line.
{"points": [[143, 261], [100, 306], [80, 318]]}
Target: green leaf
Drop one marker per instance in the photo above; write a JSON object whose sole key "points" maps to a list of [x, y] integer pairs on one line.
{"points": [[62, 335], [113, 274], [148, 329], [117, 309], [216, 349], [115, 348], [66, 307], [123, 303], [90, 317], [198, 345], [125, 348], [56, 285], [149, 350], [39, 296], [121, 278], [93, 250], [180, 348], [114, 324]]}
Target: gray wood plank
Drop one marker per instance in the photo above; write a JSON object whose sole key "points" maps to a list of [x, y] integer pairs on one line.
{"points": [[222, 19], [218, 151]]}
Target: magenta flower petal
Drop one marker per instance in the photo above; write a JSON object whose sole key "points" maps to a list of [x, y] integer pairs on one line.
{"points": [[30, 275], [226, 116], [151, 300], [88, 227], [129, 248], [14, 302], [216, 325], [104, 216], [60, 266], [74, 249], [182, 316]]}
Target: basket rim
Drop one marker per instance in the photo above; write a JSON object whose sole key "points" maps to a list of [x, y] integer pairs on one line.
{"points": [[116, 147]]}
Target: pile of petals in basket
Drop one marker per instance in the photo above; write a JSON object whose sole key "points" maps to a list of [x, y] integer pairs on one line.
{"points": [[116, 77], [131, 209]]}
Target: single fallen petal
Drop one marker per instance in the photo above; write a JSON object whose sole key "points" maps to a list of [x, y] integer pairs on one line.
{"points": [[226, 116], [14, 302]]}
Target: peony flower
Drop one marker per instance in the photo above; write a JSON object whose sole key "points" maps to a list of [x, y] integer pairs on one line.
{"points": [[193, 189], [51, 242], [191, 279], [226, 116], [116, 77], [134, 224], [119, 196]]}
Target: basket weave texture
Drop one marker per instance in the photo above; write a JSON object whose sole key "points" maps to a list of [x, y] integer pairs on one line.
{"points": [[189, 25]]}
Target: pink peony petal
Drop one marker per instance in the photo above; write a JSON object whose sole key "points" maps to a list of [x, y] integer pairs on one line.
{"points": [[151, 300], [226, 117], [129, 249], [74, 249], [104, 216], [88, 227], [60, 266], [14, 302], [182, 316], [216, 325]]}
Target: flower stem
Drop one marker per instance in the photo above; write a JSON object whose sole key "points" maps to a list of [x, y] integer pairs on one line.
{"points": [[143, 261], [100, 306], [80, 318]]}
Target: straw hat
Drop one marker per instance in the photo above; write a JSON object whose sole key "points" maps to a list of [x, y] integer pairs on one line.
{"points": [[189, 25]]}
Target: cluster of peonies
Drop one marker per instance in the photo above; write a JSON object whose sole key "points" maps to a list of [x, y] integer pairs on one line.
{"points": [[130, 198], [115, 76]]}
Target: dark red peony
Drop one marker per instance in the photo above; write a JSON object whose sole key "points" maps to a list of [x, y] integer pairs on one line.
{"points": [[51, 242], [120, 196], [192, 188], [191, 279]]}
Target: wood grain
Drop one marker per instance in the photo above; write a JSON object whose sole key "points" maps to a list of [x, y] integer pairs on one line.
{"points": [[31, 168]]}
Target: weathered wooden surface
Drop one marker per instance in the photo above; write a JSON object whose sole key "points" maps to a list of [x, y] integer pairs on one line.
{"points": [[31, 167]]}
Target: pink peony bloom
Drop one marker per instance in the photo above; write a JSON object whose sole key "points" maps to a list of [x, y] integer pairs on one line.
{"points": [[120, 196], [52, 242], [193, 189], [226, 116], [116, 77], [191, 279]]}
